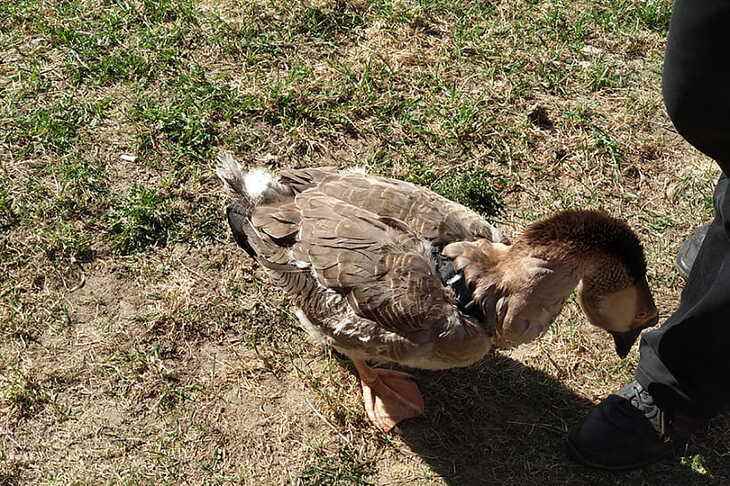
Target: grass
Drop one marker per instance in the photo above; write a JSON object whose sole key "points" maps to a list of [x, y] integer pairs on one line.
{"points": [[23, 395], [138, 344], [139, 221], [344, 467]]}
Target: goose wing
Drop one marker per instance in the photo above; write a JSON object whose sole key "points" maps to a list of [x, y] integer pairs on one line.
{"points": [[382, 269], [426, 213]]}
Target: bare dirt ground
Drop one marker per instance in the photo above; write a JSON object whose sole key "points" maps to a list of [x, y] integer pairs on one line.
{"points": [[138, 345]]}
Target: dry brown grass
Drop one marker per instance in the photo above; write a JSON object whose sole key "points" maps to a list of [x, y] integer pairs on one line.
{"points": [[138, 345]]}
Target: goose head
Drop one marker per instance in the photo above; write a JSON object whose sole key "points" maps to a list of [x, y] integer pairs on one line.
{"points": [[615, 298], [607, 258], [590, 251]]}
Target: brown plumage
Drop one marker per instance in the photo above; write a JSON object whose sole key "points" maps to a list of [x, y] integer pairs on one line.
{"points": [[356, 252], [587, 232]]}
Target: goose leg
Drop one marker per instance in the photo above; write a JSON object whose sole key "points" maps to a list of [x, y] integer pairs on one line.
{"points": [[389, 396]]}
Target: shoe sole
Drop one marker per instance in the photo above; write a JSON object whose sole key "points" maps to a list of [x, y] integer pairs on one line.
{"points": [[681, 268], [579, 458], [695, 239]]}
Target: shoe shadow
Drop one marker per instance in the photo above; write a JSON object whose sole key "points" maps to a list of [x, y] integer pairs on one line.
{"points": [[502, 423]]}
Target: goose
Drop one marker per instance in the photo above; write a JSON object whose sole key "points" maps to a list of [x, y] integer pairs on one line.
{"points": [[383, 270]]}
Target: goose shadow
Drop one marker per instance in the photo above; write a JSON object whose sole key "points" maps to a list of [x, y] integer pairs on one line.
{"points": [[503, 423]]}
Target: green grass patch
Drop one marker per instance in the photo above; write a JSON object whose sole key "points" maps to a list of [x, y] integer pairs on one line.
{"points": [[122, 269], [83, 189], [185, 118], [602, 75], [140, 220], [474, 188], [66, 242], [344, 467], [55, 127], [633, 15], [22, 393]]}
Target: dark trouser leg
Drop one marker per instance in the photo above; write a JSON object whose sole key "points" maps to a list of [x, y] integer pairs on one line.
{"points": [[685, 364], [696, 83]]}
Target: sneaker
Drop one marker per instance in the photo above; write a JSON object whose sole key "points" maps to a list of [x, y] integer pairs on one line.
{"points": [[627, 431]]}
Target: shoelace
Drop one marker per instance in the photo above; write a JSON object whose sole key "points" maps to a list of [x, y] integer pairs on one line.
{"points": [[671, 428], [645, 405]]}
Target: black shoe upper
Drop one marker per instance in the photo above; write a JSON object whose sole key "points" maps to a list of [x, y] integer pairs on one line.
{"points": [[625, 431], [644, 403]]}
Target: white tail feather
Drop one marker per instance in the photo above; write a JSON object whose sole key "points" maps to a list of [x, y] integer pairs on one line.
{"points": [[258, 184], [230, 173]]}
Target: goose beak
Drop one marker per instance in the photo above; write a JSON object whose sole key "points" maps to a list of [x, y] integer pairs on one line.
{"points": [[625, 340]]}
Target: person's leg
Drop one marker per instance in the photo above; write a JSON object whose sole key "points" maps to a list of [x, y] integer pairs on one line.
{"points": [[683, 364], [696, 76], [684, 368]]}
